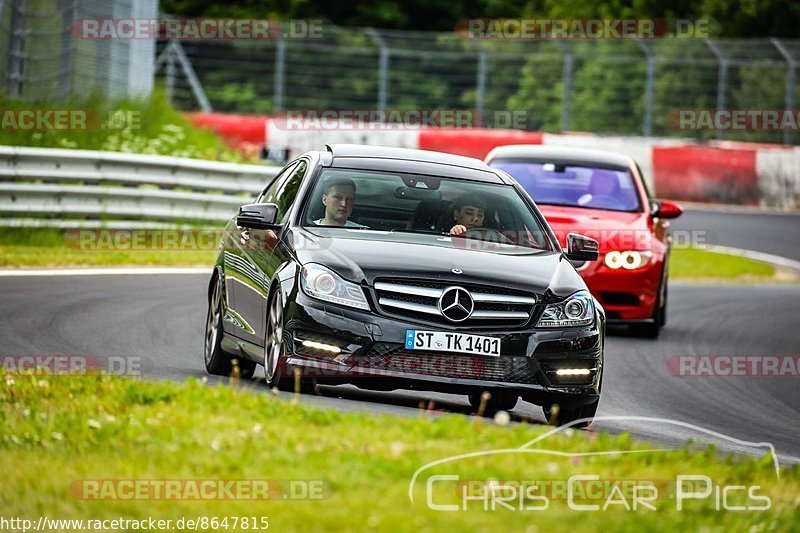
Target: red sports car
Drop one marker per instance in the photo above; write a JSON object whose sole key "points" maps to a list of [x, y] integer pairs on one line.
{"points": [[603, 195]]}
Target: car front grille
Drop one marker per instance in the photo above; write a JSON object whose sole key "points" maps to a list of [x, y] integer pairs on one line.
{"points": [[386, 357], [419, 300]]}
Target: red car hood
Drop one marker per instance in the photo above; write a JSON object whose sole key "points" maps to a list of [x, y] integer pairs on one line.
{"points": [[613, 230]]}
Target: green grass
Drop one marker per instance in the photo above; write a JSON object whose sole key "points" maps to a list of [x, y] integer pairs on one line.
{"points": [[693, 263], [58, 430], [44, 247], [157, 129]]}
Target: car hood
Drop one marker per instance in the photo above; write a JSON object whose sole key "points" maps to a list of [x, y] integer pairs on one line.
{"points": [[613, 230], [362, 256]]}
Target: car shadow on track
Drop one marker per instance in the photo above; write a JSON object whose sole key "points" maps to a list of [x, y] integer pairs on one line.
{"points": [[402, 402]]}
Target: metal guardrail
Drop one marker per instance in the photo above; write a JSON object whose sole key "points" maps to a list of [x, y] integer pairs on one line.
{"points": [[79, 188]]}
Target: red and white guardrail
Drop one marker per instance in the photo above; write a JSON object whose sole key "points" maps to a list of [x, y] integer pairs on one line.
{"points": [[720, 172]]}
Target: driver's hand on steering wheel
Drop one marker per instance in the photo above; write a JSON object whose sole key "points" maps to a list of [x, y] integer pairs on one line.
{"points": [[458, 229]]}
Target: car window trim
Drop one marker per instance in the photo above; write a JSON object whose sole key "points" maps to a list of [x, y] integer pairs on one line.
{"points": [[300, 215]]}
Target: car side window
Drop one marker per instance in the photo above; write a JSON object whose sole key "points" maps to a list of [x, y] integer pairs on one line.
{"points": [[286, 189], [275, 184]]}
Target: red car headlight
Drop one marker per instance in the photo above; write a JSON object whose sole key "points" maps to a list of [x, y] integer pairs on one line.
{"points": [[628, 259]]}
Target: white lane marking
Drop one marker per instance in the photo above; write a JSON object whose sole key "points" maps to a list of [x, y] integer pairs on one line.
{"points": [[776, 260], [7, 273]]}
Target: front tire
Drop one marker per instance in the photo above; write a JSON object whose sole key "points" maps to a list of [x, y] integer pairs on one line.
{"points": [[274, 346], [565, 415], [499, 401]]}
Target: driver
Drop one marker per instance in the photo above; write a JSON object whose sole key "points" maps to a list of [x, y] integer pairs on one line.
{"points": [[469, 211], [338, 199]]}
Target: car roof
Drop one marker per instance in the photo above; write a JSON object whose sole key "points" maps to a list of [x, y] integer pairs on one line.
{"points": [[410, 154], [413, 161], [563, 154]]}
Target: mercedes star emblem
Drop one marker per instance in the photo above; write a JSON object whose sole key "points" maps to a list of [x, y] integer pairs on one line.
{"points": [[456, 304]]}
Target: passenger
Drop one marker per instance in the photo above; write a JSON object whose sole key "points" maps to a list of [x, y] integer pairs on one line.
{"points": [[338, 199], [469, 211]]}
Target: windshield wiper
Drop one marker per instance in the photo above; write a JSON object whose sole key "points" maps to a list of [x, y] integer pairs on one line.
{"points": [[403, 230]]}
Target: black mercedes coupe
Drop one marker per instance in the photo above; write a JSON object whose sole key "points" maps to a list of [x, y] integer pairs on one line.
{"points": [[391, 268]]}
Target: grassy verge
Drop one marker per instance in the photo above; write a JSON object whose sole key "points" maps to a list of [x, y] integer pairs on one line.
{"points": [[112, 428], [26, 247], [695, 264], [47, 247], [151, 126]]}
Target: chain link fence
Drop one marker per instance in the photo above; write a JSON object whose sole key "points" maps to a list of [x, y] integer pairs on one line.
{"points": [[603, 86], [44, 61], [623, 87]]}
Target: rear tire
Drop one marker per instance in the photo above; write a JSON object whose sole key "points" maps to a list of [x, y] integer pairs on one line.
{"points": [[216, 361], [500, 401], [663, 316], [646, 330]]}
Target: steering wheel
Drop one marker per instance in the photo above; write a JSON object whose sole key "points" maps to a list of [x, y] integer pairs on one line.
{"points": [[480, 232]]}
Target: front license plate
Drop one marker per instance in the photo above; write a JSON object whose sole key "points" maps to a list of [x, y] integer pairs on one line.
{"points": [[439, 341]]}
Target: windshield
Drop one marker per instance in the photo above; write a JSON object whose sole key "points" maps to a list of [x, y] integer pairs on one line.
{"points": [[345, 199], [575, 186]]}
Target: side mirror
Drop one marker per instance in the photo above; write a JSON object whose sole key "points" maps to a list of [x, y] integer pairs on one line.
{"points": [[257, 216], [582, 248], [665, 209]]}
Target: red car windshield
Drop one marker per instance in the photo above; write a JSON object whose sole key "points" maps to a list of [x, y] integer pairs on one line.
{"points": [[575, 186]]}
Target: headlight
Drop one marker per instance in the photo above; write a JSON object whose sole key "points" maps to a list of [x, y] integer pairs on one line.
{"points": [[323, 283], [629, 260], [577, 310]]}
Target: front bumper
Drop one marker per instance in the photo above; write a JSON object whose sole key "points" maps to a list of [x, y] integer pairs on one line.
{"points": [[373, 355], [626, 295]]}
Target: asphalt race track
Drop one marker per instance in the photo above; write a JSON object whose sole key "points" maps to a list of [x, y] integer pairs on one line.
{"points": [[771, 233], [160, 318]]}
